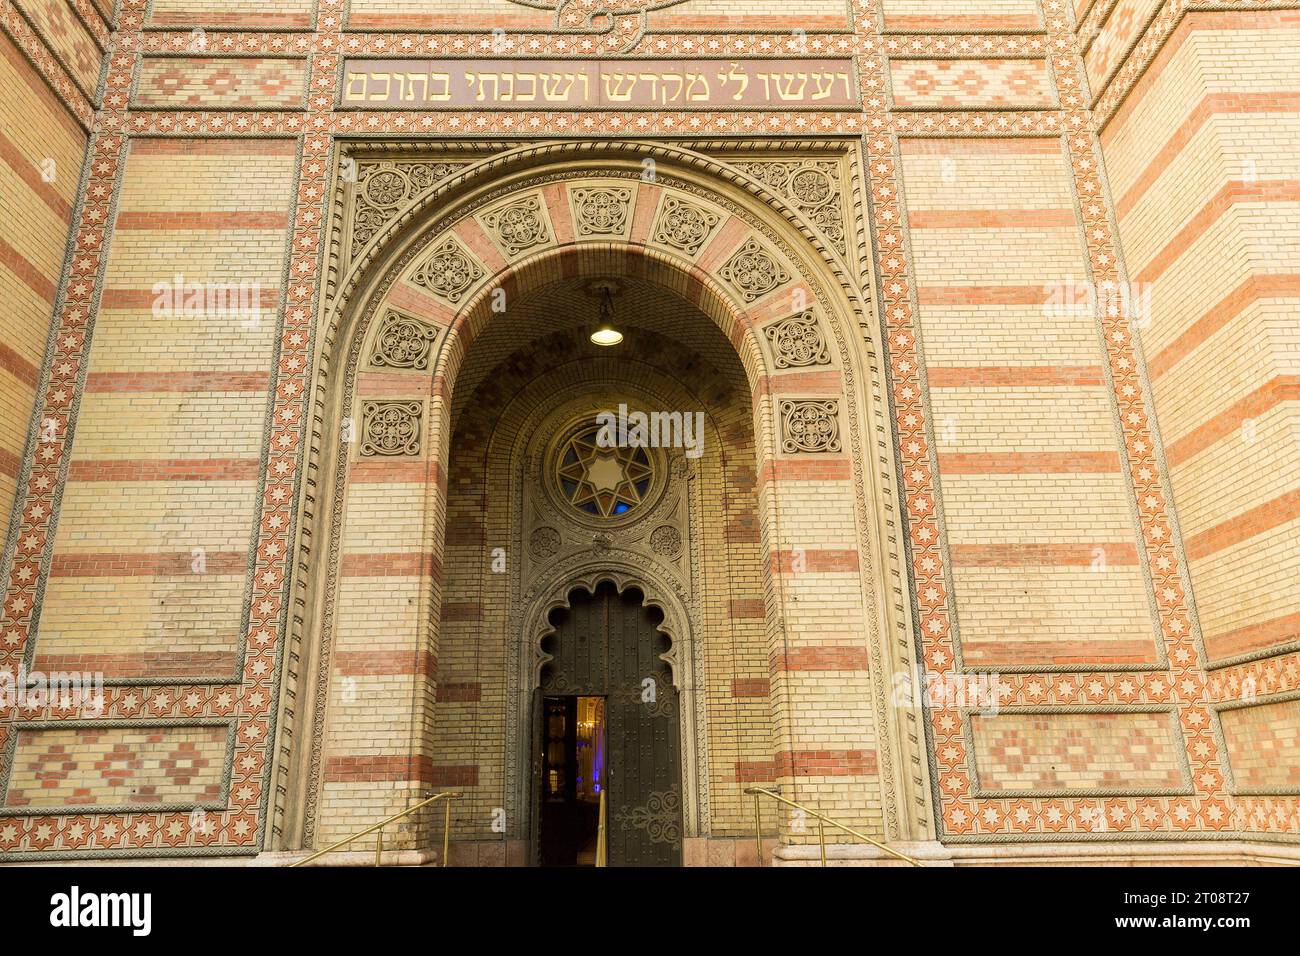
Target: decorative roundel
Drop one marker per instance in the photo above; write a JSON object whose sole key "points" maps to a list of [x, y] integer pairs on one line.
{"points": [[603, 482]]}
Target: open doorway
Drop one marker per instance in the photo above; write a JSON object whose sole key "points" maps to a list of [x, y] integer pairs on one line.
{"points": [[573, 776]]}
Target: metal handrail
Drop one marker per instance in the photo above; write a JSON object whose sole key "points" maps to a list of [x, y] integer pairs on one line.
{"points": [[602, 848], [822, 820], [449, 795]]}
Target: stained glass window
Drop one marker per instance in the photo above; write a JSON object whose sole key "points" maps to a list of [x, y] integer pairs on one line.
{"points": [[604, 482]]}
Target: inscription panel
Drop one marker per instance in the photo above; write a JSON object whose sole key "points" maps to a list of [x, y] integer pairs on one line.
{"points": [[808, 83]]}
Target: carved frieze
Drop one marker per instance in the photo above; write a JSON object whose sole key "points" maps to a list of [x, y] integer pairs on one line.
{"points": [[812, 186]]}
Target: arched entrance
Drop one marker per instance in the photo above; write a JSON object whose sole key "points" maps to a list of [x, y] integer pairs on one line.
{"points": [[453, 369], [609, 716]]}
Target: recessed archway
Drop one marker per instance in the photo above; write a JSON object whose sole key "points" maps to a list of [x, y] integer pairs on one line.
{"points": [[745, 263]]}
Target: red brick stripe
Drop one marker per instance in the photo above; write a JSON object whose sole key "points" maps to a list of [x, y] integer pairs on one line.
{"points": [[143, 664], [998, 652], [146, 564], [215, 219], [376, 768], [26, 271], [1012, 376], [177, 382], [9, 463], [1236, 102], [1029, 463], [1283, 388], [1251, 289], [378, 472], [755, 771], [463, 693], [814, 561], [176, 469], [983, 294], [462, 611], [200, 146], [1232, 192], [980, 146], [804, 469], [257, 21], [750, 687], [825, 763], [746, 609], [1244, 526], [17, 366], [824, 657], [1045, 555], [396, 565], [27, 171], [385, 663], [991, 219], [974, 22], [267, 297], [1279, 630]]}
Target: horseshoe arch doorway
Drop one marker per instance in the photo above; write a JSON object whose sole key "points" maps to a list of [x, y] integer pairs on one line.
{"points": [[606, 723]]}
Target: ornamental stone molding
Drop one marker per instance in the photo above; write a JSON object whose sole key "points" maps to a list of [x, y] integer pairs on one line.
{"points": [[403, 342], [753, 271], [391, 429], [449, 272], [518, 226], [810, 426], [814, 189], [797, 341], [382, 189], [683, 225]]}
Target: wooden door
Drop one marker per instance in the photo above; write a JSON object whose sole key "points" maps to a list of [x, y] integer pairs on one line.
{"points": [[607, 645]]}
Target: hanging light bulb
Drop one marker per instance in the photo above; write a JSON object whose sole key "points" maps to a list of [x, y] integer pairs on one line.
{"points": [[606, 335]]}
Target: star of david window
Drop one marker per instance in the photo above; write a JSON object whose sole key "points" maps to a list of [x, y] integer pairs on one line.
{"points": [[603, 482]]}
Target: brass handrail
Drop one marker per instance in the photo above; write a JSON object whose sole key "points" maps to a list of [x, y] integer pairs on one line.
{"points": [[602, 848], [449, 795], [822, 820]]}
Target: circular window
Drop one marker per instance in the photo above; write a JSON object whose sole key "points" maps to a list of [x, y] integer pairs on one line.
{"points": [[601, 481]]}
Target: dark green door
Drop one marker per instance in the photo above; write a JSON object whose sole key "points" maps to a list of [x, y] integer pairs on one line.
{"points": [[607, 645]]}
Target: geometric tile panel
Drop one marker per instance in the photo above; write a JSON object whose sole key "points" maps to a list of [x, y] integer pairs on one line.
{"points": [[118, 767], [1263, 744], [1127, 752]]}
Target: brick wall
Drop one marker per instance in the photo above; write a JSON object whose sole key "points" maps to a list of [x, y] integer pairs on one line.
{"points": [[1106, 525], [42, 147]]}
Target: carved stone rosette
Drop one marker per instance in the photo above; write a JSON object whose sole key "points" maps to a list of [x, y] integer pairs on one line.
{"points": [[383, 189], [810, 426], [391, 429], [684, 225], [518, 226], [403, 342], [753, 271], [449, 272], [602, 211], [814, 189], [797, 341]]}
